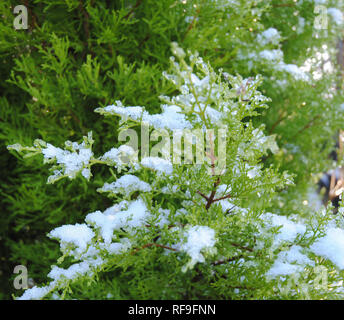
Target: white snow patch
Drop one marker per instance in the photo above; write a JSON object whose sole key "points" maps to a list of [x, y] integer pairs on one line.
{"points": [[289, 262], [331, 246], [336, 15], [126, 185], [72, 162], [133, 217], [198, 238], [270, 35], [119, 156], [158, 164], [75, 237], [289, 229]]}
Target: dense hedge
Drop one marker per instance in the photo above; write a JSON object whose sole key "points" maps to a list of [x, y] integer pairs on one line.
{"points": [[80, 55]]}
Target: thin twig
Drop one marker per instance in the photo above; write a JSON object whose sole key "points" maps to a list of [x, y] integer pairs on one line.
{"points": [[203, 195], [153, 245], [309, 124], [229, 210], [86, 23], [31, 14], [137, 4], [210, 199], [241, 247], [212, 195], [191, 25], [277, 122], [284, 5], [216, 263], [222, 198]]}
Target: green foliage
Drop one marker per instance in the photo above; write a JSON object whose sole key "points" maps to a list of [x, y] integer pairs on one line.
{"points": [[77, 56]]}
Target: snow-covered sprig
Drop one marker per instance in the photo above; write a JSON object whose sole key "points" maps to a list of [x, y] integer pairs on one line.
{"points": [[78, 158], [185, 215], [200, 242], [204, 99], [266, 50], [121, 158], [125, 185], [75, 158]]}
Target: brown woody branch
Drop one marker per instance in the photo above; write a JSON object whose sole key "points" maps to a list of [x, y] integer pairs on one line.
{"points": [[222, 198], [203, 195], [211, 198]]}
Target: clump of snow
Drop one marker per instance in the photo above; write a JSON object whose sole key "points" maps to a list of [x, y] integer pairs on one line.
{"points": [[133, 217], [199, 238], [135, 113], [119, 247], [72, 162], [173, 115], [271, 55], [106, 224], [73, 237], [289, 229], [253, 172], [212, 114], [86, 173], [163, 218], [59, 275], [289, 262], [51, 152], [158, 164], [301, 25], [36, 293], [274, 58], [331, 246], [200, 84], [228, 207], [270, 35], [119, 157], [170, 118], [72, 272], [336, 15], [126, 185], [294, 255], [281, 268], [116, 208], [293, 70]]}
